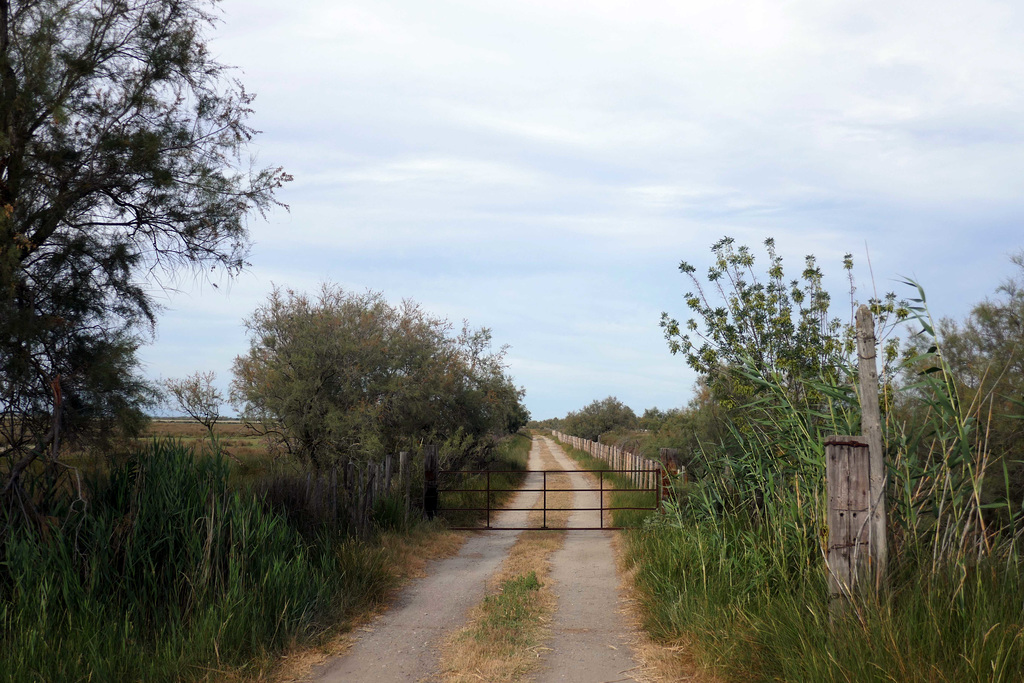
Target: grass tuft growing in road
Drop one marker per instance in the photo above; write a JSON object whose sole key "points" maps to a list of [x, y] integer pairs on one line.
{"points": [[506, 614]]}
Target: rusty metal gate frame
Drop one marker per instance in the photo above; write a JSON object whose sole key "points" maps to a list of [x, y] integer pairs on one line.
{"points": [[657, 490]]}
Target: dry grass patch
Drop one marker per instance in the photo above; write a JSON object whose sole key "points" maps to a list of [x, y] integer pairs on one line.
{"points": [[502, 640], [235, 440]]}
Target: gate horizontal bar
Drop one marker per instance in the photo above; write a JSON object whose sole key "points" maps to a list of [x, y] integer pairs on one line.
{"points": [[602, 489], [606, 507], [551, 490], [538, 528], [653, 469]]}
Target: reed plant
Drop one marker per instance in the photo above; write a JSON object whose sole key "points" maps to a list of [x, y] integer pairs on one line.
{"points": [[737, 566], [163, 573]]}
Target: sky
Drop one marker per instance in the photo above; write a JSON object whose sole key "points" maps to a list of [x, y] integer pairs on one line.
{"points": [[541, 167]]}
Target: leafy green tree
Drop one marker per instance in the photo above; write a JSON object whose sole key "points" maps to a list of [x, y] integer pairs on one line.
{"points": [[122, 162], [775, 365], [776, 328], [344, 375], [601, 416]]}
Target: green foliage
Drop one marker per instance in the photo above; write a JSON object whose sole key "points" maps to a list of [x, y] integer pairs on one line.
{"points": [[122, 150], [776, 327], [750, 613], [985, 356], [599, 417], [165, 572], [508, 611], [350, 376], [737, 564]]}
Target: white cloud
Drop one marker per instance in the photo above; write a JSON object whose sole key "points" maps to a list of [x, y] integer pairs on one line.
{"points": [[438, 147]]}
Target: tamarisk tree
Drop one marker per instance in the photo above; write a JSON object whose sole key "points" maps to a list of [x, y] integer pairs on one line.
{"points": [[341, 375], [122, 161]]}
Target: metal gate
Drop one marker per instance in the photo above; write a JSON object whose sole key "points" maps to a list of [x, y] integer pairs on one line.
{"points": [[487, 492]]}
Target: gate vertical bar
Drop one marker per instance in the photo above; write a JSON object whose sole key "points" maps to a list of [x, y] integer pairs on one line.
{"points": [[488, 499], [430, 481], [545, 524], [601, 505], [405, 479]]}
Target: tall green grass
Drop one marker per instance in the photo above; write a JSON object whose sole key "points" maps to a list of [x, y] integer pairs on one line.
{"points": [[749, 615], [166, 574], [736, 568]]}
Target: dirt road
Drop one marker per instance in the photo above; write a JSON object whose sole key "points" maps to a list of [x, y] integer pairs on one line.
{"points": [[590, 639], [589, 634]]}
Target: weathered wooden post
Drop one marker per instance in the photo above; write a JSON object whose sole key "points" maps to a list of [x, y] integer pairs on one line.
{"points": [[361, 503], [371, 491], [849, 519], [871, 428], [388, 472], [334, 495], [670, 456], [405, 481], [430, 481]]}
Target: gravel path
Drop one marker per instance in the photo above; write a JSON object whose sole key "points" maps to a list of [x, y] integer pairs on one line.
{"points": [[402, 643], [589, 641], [590, 635]]}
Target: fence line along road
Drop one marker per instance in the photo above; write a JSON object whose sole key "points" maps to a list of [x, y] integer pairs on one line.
{"points": [[639, 469]]}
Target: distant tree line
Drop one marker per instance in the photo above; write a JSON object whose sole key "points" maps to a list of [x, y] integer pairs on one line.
{"points": [[597, 418]]}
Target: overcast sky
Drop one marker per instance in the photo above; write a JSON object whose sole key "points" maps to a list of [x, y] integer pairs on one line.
{"points": [[541, 167]]}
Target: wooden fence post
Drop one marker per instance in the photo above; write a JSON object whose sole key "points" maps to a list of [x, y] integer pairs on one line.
{"points": [[405, 481], [847, 482], [371, 495], [430, 481], [351, 492], [670, 456], [388, 472], [871, 428], [334, 495], [361, 505]]}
